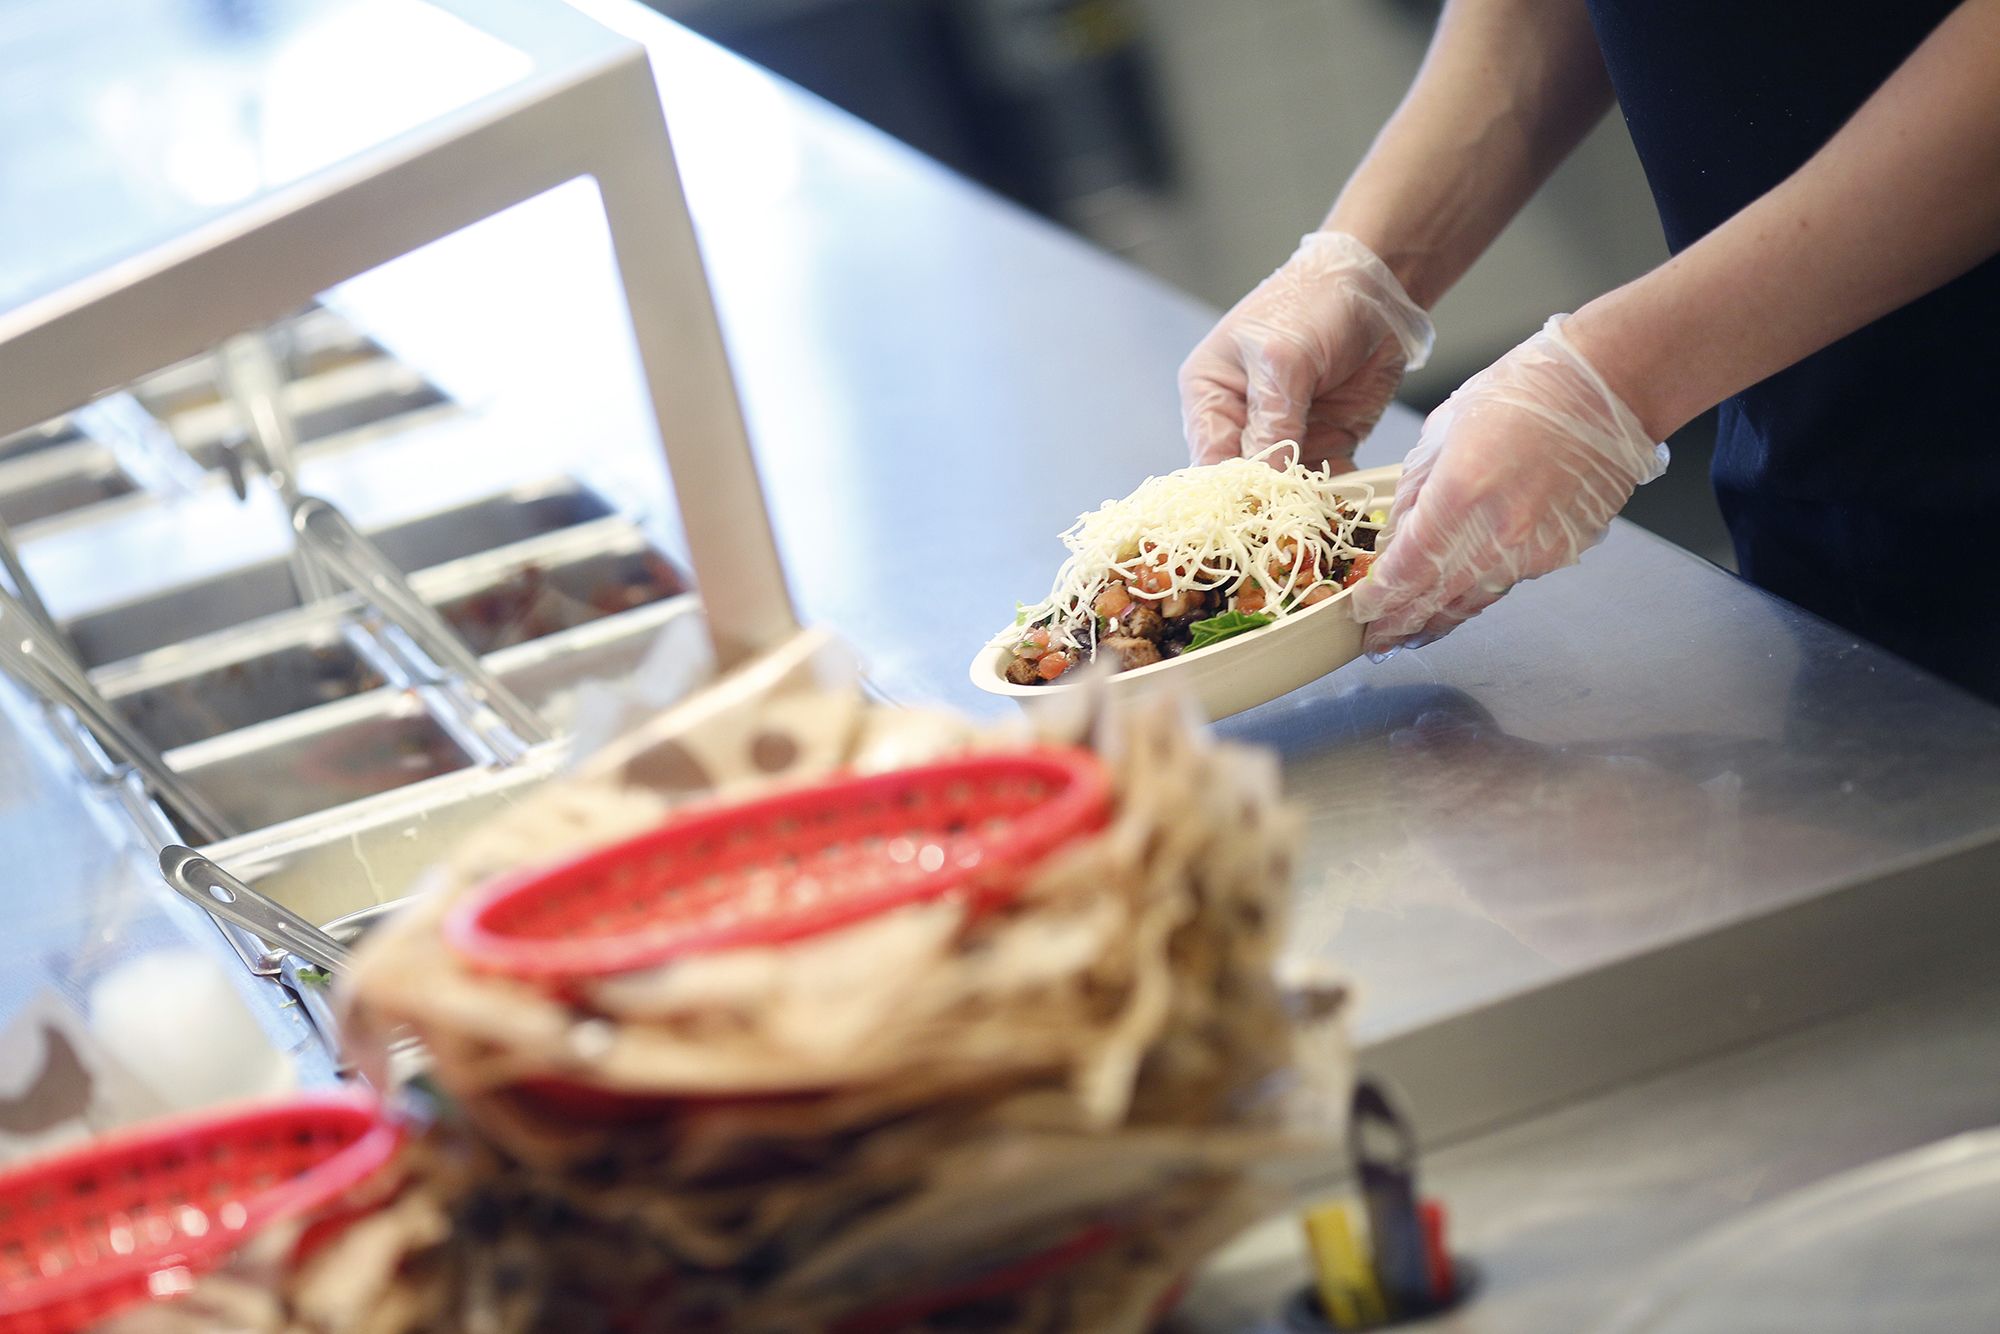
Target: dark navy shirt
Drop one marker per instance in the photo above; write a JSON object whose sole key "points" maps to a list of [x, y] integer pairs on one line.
{"points": [[1864, 482]]}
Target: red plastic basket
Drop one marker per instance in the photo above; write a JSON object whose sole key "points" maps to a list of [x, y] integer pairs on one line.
{"points": [[787, 866], [136, 1214]]}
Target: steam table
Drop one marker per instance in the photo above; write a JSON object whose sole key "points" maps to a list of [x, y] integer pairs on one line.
{"points": [[1638, 816]]}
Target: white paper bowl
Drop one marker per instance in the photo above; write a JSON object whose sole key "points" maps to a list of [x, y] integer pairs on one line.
{"points": [[1238, 673]]}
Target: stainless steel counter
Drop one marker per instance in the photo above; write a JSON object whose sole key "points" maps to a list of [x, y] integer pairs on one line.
{"points": [[1570, 1215], [1638, 813], [1617, 761]]}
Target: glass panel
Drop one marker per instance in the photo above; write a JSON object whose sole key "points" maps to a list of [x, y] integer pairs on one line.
{"points": [[126, 122]]}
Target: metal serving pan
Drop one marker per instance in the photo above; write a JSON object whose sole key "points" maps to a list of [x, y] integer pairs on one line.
{"points": [[237, 597], [344, 860], [61, 431], [44, 481], [339, 861], [340, 381], [546, 673], [538, 598], [350, 392], [491, 523], [324, 405], [60, 495], [310, 344], [285, 669], [335, 756], [263, 676]]}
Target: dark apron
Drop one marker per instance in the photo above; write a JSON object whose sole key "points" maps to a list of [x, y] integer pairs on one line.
{"points": [[1864, 482]]}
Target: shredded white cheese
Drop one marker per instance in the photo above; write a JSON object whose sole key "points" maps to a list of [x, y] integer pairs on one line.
{"points": [[1215, 523]]}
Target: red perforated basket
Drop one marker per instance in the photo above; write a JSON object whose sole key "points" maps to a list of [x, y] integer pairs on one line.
{"points": [[787, 866], [138, 1214]]}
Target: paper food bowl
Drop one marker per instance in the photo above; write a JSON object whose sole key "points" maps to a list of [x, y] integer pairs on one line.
{"points": [[1237, 674]]}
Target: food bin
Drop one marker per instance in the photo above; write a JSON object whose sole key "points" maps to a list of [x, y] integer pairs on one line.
{"points": [[130, 629], [49, 435], [534, 599], [289, 662], [346, 859], [334, 756], [41, 483], [258, 681], [314, 344], [340, 382], [492, 522], [324, 406]]}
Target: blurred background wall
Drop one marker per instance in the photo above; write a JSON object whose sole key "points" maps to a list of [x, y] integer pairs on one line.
{"points": [[1200, 138]]}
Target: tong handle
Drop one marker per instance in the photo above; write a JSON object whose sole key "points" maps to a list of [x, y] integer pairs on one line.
{"points": [[26, 651], [256, 381], [328, 537], [200, 880]]}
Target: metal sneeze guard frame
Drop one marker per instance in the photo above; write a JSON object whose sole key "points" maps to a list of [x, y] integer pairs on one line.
{"points": [[588, 110]]}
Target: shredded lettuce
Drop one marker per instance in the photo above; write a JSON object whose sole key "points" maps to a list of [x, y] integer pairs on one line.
{"points": [[1226, 626]]}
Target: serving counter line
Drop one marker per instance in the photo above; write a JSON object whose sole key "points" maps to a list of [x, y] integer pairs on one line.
{"points": [[1640, 767], [1638, 816]]}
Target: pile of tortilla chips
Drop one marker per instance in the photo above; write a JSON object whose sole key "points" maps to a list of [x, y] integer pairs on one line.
{"points": [[1039, 1118]]}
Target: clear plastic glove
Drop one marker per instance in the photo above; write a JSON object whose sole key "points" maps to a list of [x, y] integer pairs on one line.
{"points": [[1516, 474], [1314, 354]]}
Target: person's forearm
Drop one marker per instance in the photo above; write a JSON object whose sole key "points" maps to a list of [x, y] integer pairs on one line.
{"points": [[1507, 89], [1903, 199]]}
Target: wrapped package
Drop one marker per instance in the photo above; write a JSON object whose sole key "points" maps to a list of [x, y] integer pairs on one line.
{"points": [[1039, 1116]]}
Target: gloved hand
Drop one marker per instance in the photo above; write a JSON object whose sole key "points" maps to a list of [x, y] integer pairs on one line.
{"points": [[1515, 475], [1314, 354]]}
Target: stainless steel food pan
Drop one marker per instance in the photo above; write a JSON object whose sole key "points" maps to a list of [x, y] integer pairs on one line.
{"points": [[538, 598], [266, 676], [48, 435], [323, 405], [41, 483], [288, 664], [327, 866], [310, 344], [239, 596], [310, 763], [490, 523], [546, 673], [341, 861]]}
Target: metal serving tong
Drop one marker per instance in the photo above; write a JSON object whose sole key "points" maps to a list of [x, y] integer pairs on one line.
{"points": [[331, 553], [256, 382], [31, 597], [327, 538], [29, 652], [201, 881], [293, 943]]}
